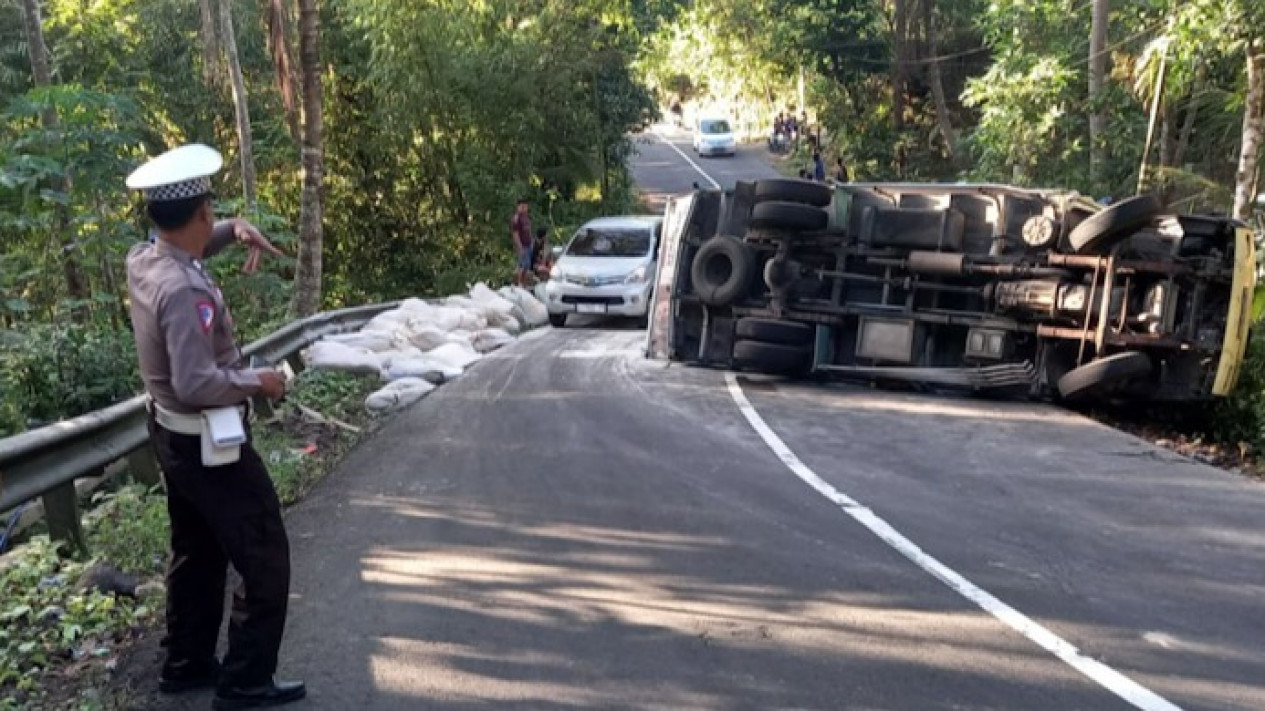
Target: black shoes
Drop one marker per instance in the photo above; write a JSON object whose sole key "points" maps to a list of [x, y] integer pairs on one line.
{"points": [[188, 677], [274, 693]]}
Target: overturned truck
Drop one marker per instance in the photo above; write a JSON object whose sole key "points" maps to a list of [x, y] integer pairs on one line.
{"points": [[1035, 293]]}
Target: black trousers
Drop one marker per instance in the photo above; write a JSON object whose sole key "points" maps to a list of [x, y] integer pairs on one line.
{"points": [[221, 515]]}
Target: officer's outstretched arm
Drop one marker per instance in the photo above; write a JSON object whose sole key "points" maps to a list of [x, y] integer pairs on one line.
{"points": [[223, 234], [187, 317]]}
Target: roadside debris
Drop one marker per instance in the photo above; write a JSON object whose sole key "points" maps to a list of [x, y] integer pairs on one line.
{"points": [[425, 343]]}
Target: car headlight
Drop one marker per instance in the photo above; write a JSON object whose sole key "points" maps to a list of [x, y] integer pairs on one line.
{"points": [[636, 276]]}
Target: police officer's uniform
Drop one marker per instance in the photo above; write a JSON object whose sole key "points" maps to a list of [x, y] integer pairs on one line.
{"points": [[221, 514]]}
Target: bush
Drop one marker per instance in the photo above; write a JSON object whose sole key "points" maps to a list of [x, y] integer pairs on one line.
{"points": [[55, 371], [1241, 418]]}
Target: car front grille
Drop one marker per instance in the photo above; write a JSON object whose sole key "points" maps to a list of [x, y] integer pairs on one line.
{"points": [[608, 300], [581, 280]]}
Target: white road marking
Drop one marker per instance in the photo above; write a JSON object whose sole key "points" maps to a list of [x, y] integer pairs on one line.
{"points": [[1110, 679], [681, 153]]}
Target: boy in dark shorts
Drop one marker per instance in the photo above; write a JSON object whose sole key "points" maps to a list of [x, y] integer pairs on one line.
{"points": [[520, 234]]}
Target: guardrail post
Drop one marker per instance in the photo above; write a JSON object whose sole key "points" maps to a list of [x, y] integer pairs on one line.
{"points": [[61, 511], [143, 466], [296, 363]]}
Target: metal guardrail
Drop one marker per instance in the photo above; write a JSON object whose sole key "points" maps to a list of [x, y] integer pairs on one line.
{"points": [[47, 461]]}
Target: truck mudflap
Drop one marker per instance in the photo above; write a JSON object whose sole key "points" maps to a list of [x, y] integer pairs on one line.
{"points": [[1239, 318]]}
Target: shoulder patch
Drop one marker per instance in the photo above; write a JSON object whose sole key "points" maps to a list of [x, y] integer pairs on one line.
{"points": [[206, 314]]}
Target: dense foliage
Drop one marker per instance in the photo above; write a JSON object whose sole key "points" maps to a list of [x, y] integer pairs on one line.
{"points": [[1012, 78], [438, 115]]}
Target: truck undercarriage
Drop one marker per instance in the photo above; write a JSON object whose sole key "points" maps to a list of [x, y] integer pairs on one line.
{"points": [[994, 288]]}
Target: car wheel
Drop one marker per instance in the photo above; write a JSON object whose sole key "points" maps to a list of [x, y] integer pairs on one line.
{"points": [[1100, 377], [798, 191], [558, 320], [643, 321], [768, 330], [721, 271], [782, 215], [775, 358], [1102, 231]]}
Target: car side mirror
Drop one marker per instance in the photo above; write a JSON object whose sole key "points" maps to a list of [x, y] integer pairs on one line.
{"points": [[556, 251]]}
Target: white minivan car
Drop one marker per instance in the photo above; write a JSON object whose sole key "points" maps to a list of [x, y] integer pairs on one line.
{"points": [[607, 268], [714, 137]]}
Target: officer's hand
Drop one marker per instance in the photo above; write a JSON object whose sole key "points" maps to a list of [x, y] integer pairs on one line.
{"points": [[251, 237], [272, 384]]}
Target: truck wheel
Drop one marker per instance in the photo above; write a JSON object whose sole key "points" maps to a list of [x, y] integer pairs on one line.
{"points": [[799, 191], [771, 357], [721, 271], [1101, 376], [1100, 232], [558, 320], [768, 330], [782, 215]]}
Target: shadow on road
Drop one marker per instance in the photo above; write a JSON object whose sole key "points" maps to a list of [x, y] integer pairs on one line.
{"points": [[561, 533]]}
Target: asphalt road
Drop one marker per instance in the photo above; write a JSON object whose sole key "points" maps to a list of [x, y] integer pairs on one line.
{"points": [[572, 526], [666, 165]]}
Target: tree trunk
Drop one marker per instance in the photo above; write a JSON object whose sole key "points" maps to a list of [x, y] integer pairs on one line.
{"points": [[1097, 78], [228, 38], [900, 30], [1167, 146], [210, 40], [42, 74], [1167, 139], [307, 281], [41, 70], [1188, 124], [943, 120], [278, 21], [1150, 129], [1249, 153]]}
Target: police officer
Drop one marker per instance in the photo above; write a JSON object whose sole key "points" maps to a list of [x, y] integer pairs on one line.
{"points": [[223, 509]]}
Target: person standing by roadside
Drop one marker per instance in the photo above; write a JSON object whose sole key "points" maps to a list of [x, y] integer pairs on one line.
{"points": [[841, 171], [819, 167], [221, 502], [520, 234]]}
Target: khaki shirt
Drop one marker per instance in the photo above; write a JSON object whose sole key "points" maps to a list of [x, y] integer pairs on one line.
{"points": [[184, 333]]}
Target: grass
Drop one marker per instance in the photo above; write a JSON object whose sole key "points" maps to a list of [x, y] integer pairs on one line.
{"points": [[59, 642]]}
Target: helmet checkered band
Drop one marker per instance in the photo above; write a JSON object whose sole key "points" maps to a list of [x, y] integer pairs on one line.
{"points": [[179, 191]]}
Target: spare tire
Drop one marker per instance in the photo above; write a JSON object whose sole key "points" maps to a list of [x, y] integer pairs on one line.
{"points": [[1101, 231], [781, 215], [1100, 376], [773, 358], [800, 191], [768, 330], [721, 271]]}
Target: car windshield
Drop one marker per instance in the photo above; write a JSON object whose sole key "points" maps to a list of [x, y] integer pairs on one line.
{"points": [[610, 242], [714, 127]]}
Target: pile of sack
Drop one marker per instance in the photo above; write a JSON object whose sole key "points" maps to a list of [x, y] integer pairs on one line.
{"points": [[422, 344]]}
